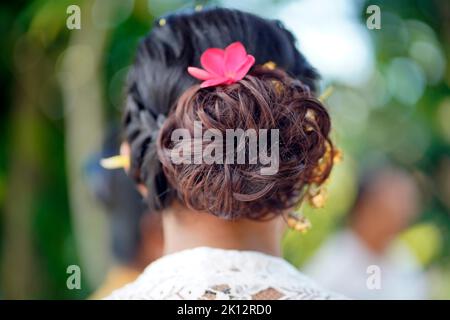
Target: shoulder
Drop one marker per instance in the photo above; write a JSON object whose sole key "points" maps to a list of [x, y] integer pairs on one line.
{"points": [[206, 273]]}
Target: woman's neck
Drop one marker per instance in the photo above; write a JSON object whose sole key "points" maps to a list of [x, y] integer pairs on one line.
{"points": [[186, 229]]}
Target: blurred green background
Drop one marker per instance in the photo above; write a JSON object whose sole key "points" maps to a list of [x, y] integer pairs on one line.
{"points": [[61, 88]]}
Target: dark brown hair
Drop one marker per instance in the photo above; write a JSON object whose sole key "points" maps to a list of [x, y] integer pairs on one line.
{"points": [[158, 77], [264, 99]]}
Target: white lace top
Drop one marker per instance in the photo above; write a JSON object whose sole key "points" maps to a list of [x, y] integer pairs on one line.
{"points": [[207, 273]]}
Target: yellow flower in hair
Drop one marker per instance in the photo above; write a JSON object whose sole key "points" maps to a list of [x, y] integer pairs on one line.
{"points": [[162, 22], [318, 200], [338, 156], [270, 65], [298, 223]]}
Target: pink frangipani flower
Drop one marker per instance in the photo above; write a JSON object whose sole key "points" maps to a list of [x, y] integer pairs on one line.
{"points": [[223, 66]]}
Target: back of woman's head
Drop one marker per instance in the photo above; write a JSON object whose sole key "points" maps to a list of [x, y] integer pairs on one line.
{"points": [[159, 78], [246, 150]]}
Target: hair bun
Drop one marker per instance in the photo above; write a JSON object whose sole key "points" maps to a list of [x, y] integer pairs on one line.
{"points": [[264, 99]]}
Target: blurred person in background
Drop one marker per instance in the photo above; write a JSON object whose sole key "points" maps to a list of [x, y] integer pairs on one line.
{"points": [[136, 233], [387, 202]]}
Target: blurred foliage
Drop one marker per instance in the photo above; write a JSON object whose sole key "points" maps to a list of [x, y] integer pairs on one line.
{"points": [[403, 115], [400, 115]]}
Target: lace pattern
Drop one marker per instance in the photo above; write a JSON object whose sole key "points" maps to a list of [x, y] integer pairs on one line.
{"points": [[209, 274]]}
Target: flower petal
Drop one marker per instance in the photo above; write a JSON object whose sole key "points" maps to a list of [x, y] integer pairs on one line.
{"points": [[243, 70], [235, 56], [199, 73], [212, 60], [214, 82]]}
